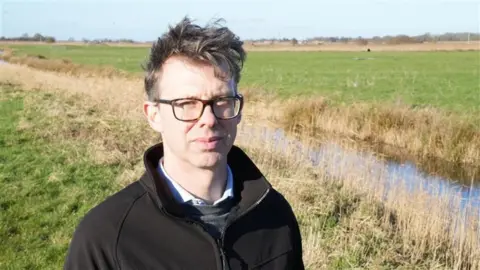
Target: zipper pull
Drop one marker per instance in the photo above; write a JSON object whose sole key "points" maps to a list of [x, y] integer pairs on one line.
{"points": [[222, 254]]}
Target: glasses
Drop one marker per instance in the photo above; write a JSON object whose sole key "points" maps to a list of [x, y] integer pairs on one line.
{"points": [[191, 109]]}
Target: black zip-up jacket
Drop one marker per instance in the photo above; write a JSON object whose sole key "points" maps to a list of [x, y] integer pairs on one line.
{"points": [[143, 227]]}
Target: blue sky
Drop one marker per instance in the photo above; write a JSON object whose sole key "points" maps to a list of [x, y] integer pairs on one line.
{"points": [[146, 20]]}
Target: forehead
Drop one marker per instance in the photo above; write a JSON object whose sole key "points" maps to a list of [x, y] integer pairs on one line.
{"points": [[184, 78]]}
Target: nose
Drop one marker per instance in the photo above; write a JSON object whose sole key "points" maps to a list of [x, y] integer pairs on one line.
{"points": [[207, 118]]}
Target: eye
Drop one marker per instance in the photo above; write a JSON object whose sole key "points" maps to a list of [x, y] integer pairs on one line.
{"points": [[186, 103], [224, 101]]}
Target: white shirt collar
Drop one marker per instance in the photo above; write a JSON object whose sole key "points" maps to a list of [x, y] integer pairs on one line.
{"points": [[184, 196]]}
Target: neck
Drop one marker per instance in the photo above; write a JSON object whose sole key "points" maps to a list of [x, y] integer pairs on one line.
{"points": [[207, 184]]}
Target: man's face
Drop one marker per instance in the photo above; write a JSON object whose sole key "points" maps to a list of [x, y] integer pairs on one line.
{"points": [[191, 142]]}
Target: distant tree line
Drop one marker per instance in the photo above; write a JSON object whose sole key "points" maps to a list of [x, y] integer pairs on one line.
{"points": [[105, 40], [388, 39], [49, 39], [35, 38]]}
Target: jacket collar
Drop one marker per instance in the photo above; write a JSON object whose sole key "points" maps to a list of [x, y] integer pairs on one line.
{"points": [[249, 183], [184, 196]]}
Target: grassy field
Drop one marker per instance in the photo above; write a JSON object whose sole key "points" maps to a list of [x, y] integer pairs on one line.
{"points": [[47, 184], [447, 80], [416, 106], [63, 151], [69, 140]]}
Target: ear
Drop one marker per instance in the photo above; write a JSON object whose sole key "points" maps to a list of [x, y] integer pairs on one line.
{"points": [[152, 113]]}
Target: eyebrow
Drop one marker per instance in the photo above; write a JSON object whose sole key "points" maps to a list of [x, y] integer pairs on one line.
{"points": [[212, 97]]}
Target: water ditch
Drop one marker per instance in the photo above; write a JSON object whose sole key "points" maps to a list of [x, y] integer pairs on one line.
{"points": [[339, 162], [1, 61]]}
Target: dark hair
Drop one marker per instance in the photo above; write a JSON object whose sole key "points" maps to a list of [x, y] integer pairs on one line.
{"points": [[213, 44]]}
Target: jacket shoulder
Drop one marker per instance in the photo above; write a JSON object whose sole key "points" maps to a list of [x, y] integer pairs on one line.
{"points": [[109, 214], [94, 240], [281, 206], [277, 199]]}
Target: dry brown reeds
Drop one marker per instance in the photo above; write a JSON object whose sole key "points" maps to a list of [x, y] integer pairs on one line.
{"points": [[120, 94], [429, 136], [348, 219], [420, 133], [370, 224]]}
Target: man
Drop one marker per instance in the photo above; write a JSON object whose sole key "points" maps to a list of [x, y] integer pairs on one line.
{"points": [[201, 203]]}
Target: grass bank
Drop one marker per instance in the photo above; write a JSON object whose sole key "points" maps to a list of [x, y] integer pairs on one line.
{"points": [[440, 142], [47, 184], [73, 150], [445, 80], [62, 65]]}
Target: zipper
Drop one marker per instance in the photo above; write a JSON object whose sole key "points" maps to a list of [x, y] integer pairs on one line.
{"points": [[222, 254], [222, 237], [220, 242], [218, 248]]}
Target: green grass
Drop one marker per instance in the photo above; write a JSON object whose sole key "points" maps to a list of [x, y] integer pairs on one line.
{"points": [[448, 80], [50, 178], [47, 186], [443, 79], [124, 58]]}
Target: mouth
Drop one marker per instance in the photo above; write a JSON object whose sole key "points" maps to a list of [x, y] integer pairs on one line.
{"points": [[208, 143], [208, 139]]}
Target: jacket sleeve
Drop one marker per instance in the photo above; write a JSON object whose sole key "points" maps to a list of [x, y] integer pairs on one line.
{"points": [[297, 257], [297, 245], [92, 246]]}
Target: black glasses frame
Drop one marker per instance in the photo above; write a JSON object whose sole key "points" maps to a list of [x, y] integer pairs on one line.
{"points": [[205, 103]]}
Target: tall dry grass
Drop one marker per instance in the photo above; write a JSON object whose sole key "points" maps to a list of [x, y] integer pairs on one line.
{"points": [[348, 218], [435, 140], [395, 226], [430, 137], [426, 135]]}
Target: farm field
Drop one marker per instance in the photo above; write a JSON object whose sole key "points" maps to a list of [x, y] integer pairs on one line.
{"points": [[447, 80], [95, 135], [424, 106]]}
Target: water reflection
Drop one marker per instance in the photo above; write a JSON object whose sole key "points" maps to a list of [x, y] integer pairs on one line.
{"points": [[465, 174], [386, 174], [1, 61]]}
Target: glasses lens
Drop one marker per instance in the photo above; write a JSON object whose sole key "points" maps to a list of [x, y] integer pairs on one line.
{"points": [[191, 109], [226, 108], [187, 109]]}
